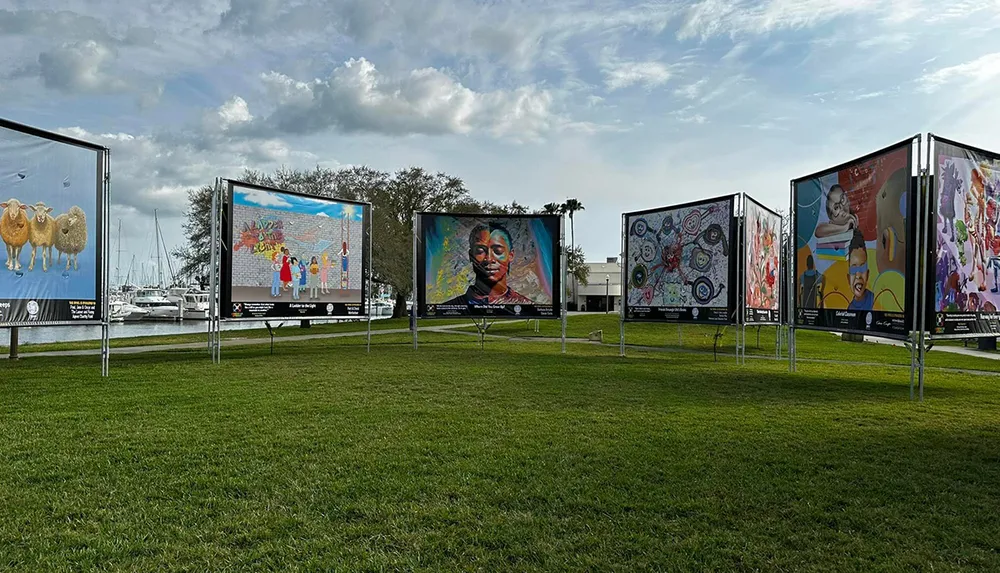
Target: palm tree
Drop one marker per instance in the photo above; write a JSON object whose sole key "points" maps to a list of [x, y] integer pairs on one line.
{"points": [[551, 209], [570, 207]]}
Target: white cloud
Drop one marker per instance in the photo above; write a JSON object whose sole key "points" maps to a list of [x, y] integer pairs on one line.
{"points": [[982, 70], [691, 91], [621, 73], [740, 18], [263, 198], [358, 98], [233, 113], [79, 67], [689, 115]]}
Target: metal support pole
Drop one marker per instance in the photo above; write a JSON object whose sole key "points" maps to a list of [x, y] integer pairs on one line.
{"points": [[106, 271], [741, 298], [924, 260], [213, 279], [622, 289], [916, 337], [14, 335], [565, 272], [413, 307], [790, 276], [371, 272]]}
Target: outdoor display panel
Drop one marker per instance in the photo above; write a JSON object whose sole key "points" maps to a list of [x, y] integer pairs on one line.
{"points": [[287, 255], [680, 263], [482, 265], [853, 228], [52, 197], [762, 263], [965, 256]]}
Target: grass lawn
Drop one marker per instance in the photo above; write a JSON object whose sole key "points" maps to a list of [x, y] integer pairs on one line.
{"points": [[810, 344], [290, 328], [515, 457]]}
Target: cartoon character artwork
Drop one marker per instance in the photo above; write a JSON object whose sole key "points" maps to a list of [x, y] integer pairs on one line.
{"points": [[680, 257], [967, 279], [324, 273], [344, 266]]}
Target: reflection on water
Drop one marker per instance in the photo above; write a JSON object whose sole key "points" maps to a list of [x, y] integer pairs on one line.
{"points": [[40, 334]]}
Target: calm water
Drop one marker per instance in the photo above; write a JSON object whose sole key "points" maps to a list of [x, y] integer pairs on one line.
{"points": [[128, 329]]}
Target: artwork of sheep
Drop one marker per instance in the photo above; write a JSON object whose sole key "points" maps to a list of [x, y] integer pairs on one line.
{"points": [[14, 231], [71, 236], [41, 235]]}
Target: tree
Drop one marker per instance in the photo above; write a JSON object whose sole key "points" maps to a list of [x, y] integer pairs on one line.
{"points": [[570, 207], [196, 255], [551, 209], [576, 265]]}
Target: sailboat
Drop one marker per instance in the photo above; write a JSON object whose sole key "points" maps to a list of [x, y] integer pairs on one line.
{"points": [[154, 298], [120, 306]]}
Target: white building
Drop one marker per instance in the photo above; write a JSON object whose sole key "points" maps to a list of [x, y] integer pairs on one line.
{"points": [[603, 289]]}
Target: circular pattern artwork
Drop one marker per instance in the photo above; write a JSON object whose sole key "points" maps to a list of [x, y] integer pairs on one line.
{"points": [[701, 260], [713, 234], [647, 252], [639, 275], [692, 223], [703, 290], [680, 257], [639, 227]]}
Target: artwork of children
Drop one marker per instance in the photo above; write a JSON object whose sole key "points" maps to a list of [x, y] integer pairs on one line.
{"points": [[284, 243], [851, 229]]}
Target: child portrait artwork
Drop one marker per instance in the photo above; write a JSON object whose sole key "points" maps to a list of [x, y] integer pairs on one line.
{"points": [[851, 231]]}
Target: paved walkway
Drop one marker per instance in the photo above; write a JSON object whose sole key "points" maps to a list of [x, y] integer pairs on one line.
{"points": [[941, 347], [229, 343], [453, 329]]}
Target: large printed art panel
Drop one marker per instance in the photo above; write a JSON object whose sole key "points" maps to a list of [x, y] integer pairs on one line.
{"points": [[293, 255], [680, 263], [762, 270], [853, 228], [51, 204], [481, 265], [966, 274]]}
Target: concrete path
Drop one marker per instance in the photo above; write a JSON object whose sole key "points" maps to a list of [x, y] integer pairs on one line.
{"points": [[941, 347], [229, 343], [453, 329]]}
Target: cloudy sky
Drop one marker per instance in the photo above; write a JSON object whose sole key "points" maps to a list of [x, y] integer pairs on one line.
{"points": [[623, 105]]}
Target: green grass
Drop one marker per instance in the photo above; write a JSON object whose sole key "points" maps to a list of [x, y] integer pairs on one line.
{"points": [[515, 457], [809, 344], [290, 328]]}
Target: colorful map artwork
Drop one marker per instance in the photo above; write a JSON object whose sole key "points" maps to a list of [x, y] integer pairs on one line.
{"points": [[680, 257], [762, 271]]}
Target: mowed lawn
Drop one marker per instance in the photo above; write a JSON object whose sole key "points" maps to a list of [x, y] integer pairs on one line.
{"points": [[511, 457]]}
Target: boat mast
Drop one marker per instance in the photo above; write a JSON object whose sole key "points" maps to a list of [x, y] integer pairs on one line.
{"points": [[118, 265], [159, 261]]}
